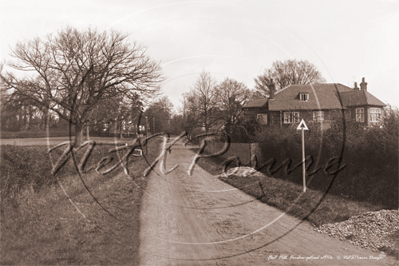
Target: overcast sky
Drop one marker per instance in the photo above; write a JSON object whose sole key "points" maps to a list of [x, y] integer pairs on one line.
{"points": [[346, 40]]}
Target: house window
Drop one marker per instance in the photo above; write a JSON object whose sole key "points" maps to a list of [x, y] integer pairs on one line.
{"points": [[318, 116], [291, 117], [262, 119], [375, 114], [359, 114], [304, 96]]}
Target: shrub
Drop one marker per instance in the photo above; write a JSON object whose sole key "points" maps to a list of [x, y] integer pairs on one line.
{"points": [[22, 167]]}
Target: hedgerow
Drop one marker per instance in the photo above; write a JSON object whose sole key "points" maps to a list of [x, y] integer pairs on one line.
{"points": [[370, 155], [30, 167]]}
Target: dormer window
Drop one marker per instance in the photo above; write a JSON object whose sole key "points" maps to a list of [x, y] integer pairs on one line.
{"points": [[304, 96]]}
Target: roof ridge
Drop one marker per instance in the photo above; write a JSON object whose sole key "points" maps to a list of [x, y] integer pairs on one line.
{"points": [[329, 83]]}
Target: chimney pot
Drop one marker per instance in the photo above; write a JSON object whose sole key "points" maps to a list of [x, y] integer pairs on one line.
{"points": [[272, 88], [356, 87], [363, 85]]}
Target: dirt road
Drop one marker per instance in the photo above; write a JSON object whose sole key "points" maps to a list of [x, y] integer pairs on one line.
{"points": [[199, 220]]}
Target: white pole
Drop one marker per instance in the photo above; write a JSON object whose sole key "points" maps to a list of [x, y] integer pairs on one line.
{"points": [[303, 160]]}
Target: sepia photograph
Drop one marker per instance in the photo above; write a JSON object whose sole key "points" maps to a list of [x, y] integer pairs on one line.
{"points": [[204, 132]]}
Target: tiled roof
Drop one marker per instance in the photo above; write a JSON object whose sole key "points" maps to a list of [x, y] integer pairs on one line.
{"points": [[360, 97], [321, 96], [256, 103]]}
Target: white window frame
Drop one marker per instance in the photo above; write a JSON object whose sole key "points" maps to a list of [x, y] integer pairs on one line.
{"points": [[303, 96], [318, 116], [262, 119], [375, 114], [359, 114], [291, 117]]}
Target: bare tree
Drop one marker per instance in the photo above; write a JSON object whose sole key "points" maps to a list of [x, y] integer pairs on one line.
{"points": [[70, 72], [231, 95], [202, 100], [159, 114], [289, 72]]}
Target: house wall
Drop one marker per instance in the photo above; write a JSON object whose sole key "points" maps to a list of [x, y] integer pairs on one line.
{"points": [[306, 115], [277, 117], [274, 118], [366, 114], [250, 113]]}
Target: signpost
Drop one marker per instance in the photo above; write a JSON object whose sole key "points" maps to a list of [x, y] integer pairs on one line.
{"points": [[302, 126], [146, 134]]}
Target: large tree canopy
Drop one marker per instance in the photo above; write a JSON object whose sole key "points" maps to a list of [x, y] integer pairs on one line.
{"points": [[71, 71], [286, 73], [210, 104], [231, 95], [202, 100], [159, 114]]}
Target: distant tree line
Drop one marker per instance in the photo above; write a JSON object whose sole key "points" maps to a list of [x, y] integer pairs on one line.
{"points": [[99, 82]]}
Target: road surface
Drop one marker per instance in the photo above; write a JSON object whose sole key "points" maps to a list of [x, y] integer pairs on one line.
{"points": [[200, 220]]}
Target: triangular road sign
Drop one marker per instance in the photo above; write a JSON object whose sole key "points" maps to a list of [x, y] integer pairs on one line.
{"points": [[302, 125]]}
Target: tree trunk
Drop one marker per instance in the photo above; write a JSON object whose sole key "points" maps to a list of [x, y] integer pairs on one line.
{"points": [[138, 123], [88, 132], [79, 127], [21, 123], [44, 118], [120, 130], [30, 116], [25, 112]]}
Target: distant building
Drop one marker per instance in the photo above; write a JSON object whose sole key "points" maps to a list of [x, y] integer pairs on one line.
{"points": [[318, 103]]}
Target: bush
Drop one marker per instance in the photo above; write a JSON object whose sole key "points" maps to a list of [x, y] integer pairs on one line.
{"points": [[23, 167]]}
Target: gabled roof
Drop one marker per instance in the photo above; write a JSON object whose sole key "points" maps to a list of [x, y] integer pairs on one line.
{"points": [[360, 97], [321, 96], [256, 103]]}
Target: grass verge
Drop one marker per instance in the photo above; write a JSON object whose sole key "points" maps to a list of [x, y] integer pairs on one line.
{"points": [[333, 211], [55, 133], [91, 219], [33, 134], [315, 206]]}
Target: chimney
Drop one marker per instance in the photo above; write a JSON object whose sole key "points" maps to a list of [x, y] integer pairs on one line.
{"points": [[363, 85], [356, 87], [272, 88]]}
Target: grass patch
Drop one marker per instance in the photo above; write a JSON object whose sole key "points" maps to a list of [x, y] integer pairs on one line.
{"points": [[314, 205], [33, 134], [39, 224], [56, 133]]}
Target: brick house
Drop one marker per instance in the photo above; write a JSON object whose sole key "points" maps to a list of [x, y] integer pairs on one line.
{"points": [[318, 103]]}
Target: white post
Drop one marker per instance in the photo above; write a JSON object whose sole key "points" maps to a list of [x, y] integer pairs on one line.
{"points": [[302, 126], [303, 160]]}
